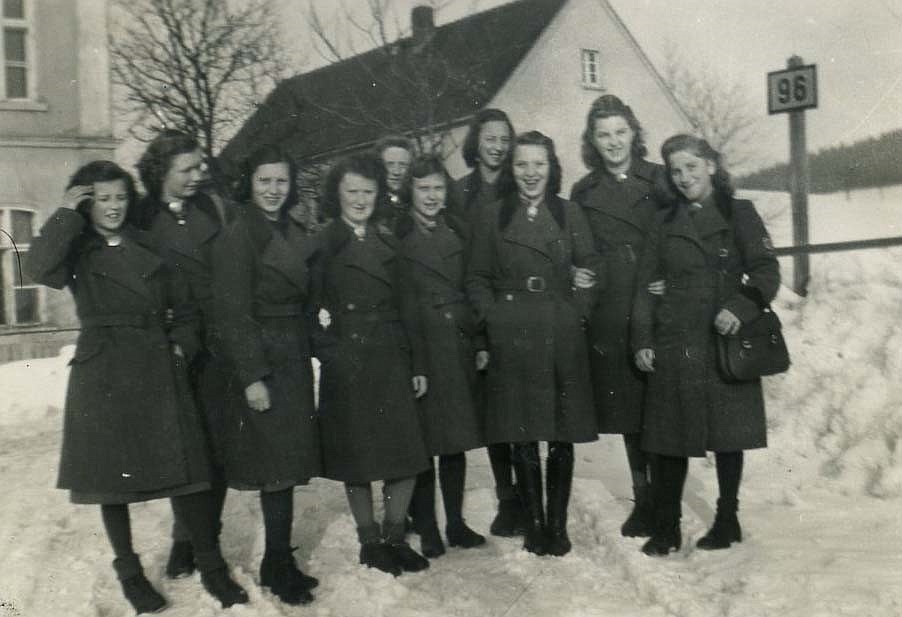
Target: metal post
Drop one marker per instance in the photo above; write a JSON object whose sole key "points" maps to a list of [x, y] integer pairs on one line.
{"points": [[798, 189]]}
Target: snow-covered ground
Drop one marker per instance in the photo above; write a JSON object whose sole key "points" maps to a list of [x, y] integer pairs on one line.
{"points": [[820, 507]]}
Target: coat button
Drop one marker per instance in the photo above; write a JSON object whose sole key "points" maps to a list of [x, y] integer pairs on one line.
{"points": [[351, 306], [509, 297], [448, 315]]}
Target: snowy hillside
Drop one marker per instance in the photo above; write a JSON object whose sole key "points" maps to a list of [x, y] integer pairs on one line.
{"points": [[820, 507]]}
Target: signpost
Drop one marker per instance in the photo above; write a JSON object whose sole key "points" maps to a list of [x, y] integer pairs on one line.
{"points": [[792, 91]]}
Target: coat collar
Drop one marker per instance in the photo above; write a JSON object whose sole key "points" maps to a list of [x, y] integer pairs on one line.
{"points": [[437, 251], [539, 235], [286, 254], [697, 228], [188, 240], [381, 248]]}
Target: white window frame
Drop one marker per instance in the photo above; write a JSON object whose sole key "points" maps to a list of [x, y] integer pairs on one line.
{"points": [[25, 23], [590, 67], [7, 257]]}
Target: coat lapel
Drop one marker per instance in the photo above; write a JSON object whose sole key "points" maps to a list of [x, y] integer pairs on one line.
{"points": [[129, 267], [440, 251], [372, 259], [529, 234], [628, 195], [288, 256]]}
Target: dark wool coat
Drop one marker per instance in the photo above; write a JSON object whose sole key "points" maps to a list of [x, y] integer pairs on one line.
{"points": [[470, 196], [689, 408], [434, 267], [538, 375], [370, 351], [188, 249], [131, 431], [263, 314], [620, 214]]}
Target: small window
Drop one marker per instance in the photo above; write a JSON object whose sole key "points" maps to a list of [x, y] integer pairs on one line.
{"points": [[591, 68], [16, 67], [21, 295]]}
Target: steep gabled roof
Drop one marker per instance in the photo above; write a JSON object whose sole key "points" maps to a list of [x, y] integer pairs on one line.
{"points": [[355, 101]]}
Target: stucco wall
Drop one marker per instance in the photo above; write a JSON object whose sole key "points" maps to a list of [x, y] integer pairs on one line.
{"points": [[546, 92]]}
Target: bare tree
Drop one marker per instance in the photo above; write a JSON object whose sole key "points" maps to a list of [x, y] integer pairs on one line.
{"points": [[719, 108], [197, 65]]}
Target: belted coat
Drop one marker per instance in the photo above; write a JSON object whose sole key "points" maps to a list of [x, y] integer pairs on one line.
{"points": [[690, 408], [370, 347], [263, 314], [519, 283], [131, 431], [620, 214], [434, 267]]}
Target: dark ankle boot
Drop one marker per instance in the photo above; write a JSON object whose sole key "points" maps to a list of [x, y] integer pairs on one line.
{"points": [[135, 586], [510, 520], [280, 573], [459, 534], [529, 476], [431, 543], [559, 480], [641, 521], [725, 529], [405, 556], [666, 535], [215, 577], [181, 559], [376, 554]]}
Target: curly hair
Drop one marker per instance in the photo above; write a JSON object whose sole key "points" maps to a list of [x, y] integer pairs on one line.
{"points": [[422, 166], [720, 180], [157, 158], [610, 106], [365, 164], [266, 155], [506, 183], [470, 149], [101, 171]]}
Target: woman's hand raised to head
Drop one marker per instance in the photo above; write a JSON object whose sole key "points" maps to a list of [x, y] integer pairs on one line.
{"points": [[726, 322], [77, 194], [257, 395], [645, 360], [420, 385]]}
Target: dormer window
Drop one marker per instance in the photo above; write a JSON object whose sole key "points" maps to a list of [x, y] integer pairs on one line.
{"points": [[591, 69]]}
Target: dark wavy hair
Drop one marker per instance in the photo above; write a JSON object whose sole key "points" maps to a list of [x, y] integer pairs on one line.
{"points": [[157, 158], [506, 183], [721, 181], [101, 171], [366, 164], [422, 166], [610, 106], [470, 149], [265, 155], [394, 141]]}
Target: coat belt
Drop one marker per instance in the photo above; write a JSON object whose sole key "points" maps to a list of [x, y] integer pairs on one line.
{"points": [[263, 309], [124, 320]]}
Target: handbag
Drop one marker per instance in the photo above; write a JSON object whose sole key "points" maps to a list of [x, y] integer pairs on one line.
{"points": [[758, 349]]}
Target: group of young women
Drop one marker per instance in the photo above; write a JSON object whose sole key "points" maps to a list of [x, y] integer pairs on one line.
{"points": [[446, 316]]}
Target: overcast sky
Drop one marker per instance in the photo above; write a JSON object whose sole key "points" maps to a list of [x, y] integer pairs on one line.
{"points": [[857, 45]]}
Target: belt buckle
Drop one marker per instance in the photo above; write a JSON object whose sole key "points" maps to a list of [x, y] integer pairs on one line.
{"points": [[535, 284]]}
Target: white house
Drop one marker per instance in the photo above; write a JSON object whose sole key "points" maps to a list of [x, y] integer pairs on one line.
{"points": [[541, 61]]}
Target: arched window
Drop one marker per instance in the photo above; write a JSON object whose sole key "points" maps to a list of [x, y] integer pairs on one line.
{"points": [[21, 295]]}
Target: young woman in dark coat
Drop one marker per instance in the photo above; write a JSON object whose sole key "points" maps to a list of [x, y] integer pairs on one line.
{"points": [[131, 431], [486, 150], [373, 363], [620, 198], [433, 245], [720, 271], [262, 311], [519, 282], [396, 152], [183, 224]]}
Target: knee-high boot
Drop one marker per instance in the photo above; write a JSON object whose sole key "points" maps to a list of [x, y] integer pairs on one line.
{"points": [[529, 479], [668, 477], [559, 479]]}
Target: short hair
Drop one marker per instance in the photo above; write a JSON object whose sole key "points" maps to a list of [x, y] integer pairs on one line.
{"points": [[394, 141], [157, 158], [366, 164], [470, 149], [265, 155], [506, 183], [101, 171], [610, 106], [683, 142], [422, 166]]}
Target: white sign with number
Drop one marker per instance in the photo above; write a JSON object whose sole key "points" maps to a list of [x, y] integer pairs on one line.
{"points": [[792, 89]]}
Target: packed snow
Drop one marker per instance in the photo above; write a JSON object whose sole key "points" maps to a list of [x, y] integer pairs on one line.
{"points": [[819, 507]]}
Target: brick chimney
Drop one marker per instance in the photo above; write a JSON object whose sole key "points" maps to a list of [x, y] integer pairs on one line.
{"points": [[422, 24]]}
